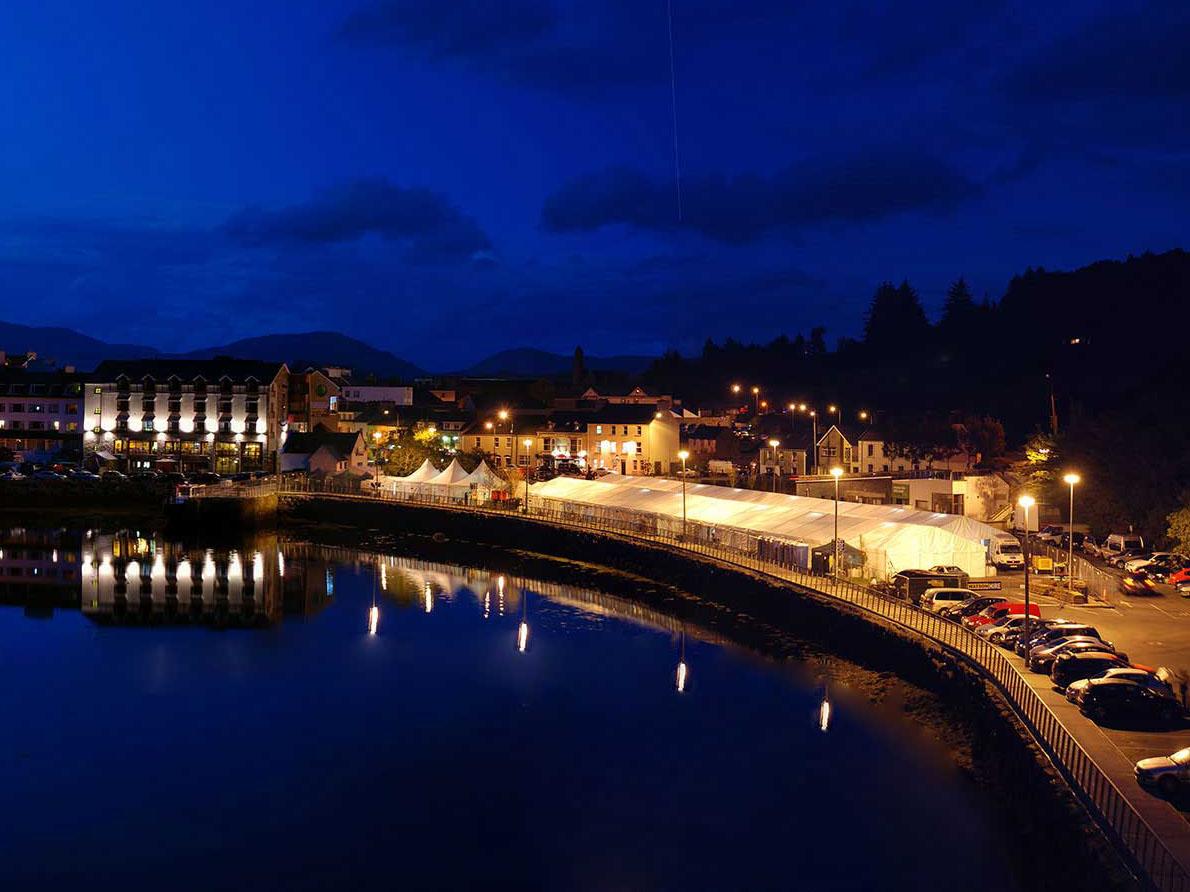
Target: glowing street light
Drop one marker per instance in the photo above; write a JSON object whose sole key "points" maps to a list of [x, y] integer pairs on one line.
{"points": [[836, 472], [773, 444], [683, 455], [863, 415], [1070, 480], [756, 397], [735, 388], [1026, 501]]}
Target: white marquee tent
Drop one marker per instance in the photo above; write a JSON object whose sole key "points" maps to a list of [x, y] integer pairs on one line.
{"points": [[892, 537]]}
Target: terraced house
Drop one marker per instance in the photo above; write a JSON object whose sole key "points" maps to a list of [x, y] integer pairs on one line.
{"points": [[227, 415]]}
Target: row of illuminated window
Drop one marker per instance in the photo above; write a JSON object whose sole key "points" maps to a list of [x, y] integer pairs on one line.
{"points": [[612, 429], [11, 424], [39, 408], [149, 407], [186, 447]]}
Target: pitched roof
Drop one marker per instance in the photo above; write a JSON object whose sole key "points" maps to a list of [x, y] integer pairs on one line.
{"points": [[624, 413], [239, 370], [340, 444]]}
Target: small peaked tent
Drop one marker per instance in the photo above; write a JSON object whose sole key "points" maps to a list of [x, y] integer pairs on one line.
{"points": [[426, 472], [484, 477], [452, 475]]}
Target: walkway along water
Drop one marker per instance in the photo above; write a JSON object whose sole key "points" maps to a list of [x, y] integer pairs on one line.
{"points": [[1154, 838]]}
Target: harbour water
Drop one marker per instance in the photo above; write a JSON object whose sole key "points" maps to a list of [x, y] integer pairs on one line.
{"points": [[292, 716]]}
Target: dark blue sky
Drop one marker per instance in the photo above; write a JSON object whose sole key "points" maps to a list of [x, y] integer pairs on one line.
{"points": [[449, 178]]}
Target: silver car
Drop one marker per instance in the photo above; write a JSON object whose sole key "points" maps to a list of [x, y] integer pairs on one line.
{"points": [[1166, 773], [1144, 677]]}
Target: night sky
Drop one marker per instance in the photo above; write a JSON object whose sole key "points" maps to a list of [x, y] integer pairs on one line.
{"points": [[445, 179]]}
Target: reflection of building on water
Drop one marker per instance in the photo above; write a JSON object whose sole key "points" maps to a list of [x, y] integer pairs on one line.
{"points": [[40, 568], [131, 578]]}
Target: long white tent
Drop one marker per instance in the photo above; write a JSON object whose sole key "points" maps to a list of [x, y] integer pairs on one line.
{"points": [[891, 537]]}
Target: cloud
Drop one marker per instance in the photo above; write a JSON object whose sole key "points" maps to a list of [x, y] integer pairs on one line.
{"points": [[564, 46], [745, 208], [1138, 54], [434, 230]]}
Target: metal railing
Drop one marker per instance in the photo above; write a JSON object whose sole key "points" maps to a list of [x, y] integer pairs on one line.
{"points": [[1103, 799]]}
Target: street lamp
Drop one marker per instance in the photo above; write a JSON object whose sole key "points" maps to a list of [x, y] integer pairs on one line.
{"points": [[683, 455], [836, 472], [773, 444], [837, 412], [528, 444], [863, 415], [756, 397], [1026, 502], [1070, 479]]}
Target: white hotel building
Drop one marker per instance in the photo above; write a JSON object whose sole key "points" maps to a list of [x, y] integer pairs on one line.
{"points": [[225, 415]]}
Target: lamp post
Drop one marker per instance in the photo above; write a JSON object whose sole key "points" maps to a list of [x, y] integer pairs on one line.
{"points": [[1026, 502], [814, 421], [1070, 479], [837, 412], [773, 444], [836, 472], [756, 397], [528, 444], [683, 455]]}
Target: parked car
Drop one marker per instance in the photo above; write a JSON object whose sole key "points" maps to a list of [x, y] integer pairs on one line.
{"points": [[1143, 677], [205, 477], [948, 569], [1051, 533], [111, 474], [1124, 701], [936, 599], [173, 478], [46, 474], [1055, 630], [81, 474], [145, 474], [1041, 657], [12, 474], [996, 632], [1157, 557], [970, 606], [1090, 545], [991, 614], [1167, 773], [1064, 540], [1179, 576], [1075, 665]]}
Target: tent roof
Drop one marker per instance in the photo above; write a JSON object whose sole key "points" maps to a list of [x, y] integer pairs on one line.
{"points": [[907, 536], [452, 473], [427, 471], [485, 477]]}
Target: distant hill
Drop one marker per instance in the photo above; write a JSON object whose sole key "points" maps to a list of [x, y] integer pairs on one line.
{"points": [[315, 348], [527, 362], [63, 346]]}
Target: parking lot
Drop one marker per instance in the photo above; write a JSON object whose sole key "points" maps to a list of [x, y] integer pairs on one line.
{"points": [[1154, 631]]}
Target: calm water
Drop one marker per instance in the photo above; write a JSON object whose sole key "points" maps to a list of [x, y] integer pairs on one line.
{"points": [[491, 733]]}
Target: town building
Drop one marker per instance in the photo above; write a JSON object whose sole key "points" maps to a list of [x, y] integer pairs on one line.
{"points": [[632, 439], [388, 394], [41, 413], [227, 415], [313, 400], [323, 451]]}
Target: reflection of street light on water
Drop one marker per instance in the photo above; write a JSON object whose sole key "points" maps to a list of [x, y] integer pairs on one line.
{"points": [[428, 595], [680, 676], [522, 632], [824, 714]]}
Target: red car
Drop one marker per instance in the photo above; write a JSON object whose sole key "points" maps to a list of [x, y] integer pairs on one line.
{"points": [[1180, 576], [997, 611]]}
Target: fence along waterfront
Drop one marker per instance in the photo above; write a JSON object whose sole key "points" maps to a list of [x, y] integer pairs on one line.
{"points": [[1103, 799]]}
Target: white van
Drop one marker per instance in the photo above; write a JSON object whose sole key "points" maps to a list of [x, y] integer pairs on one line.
{"points": [[935, 599], [1004, 553], [1118, 543]]}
